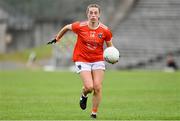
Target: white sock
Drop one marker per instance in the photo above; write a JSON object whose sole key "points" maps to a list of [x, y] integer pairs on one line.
{"points": [[84, 95], [94, 113]]}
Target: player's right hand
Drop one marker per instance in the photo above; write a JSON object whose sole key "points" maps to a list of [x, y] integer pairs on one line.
{"points": [[52, 42]]}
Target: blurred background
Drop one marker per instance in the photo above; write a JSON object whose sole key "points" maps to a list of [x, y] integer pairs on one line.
{"points": [[146, 32]]}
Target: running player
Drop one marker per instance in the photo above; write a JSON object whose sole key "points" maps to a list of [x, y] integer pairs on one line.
{"points": [[88, 54]]}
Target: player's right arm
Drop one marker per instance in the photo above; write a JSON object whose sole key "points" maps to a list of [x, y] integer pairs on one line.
{"points": [[61, 33]]}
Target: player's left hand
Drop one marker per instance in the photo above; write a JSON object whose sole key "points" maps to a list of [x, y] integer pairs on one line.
{"points": [[113, 62]]}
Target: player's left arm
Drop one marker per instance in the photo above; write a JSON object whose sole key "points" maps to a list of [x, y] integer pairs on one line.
{"points": [[109, 43], [108, 38]]}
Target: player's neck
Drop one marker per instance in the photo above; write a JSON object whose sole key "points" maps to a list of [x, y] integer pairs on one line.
{"points": [[93, 25]]}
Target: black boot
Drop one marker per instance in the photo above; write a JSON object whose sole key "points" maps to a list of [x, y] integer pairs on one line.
{"points": [[83, 102]]}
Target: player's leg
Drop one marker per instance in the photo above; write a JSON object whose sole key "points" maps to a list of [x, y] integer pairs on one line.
{"points": [[84, 69], [97, 95], [86, 77], [98, 75]]}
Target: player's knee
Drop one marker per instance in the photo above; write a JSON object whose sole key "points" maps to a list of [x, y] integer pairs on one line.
{"points": [[88, 88], [97, 88]]}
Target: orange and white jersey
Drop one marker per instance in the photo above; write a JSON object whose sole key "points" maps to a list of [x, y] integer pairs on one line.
{"points": [[89, 45]]}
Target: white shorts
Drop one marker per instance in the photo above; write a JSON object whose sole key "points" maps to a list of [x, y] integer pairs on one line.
{"points": [[85, 66]]}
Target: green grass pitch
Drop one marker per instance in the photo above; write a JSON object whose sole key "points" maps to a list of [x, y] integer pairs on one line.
{"points": [[133, 95]]}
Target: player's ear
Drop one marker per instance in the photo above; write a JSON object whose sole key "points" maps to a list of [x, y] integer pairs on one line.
{"points": [[87, 15], [99, 16]]}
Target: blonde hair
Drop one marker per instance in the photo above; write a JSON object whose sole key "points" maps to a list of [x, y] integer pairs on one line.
{"points": [[93, 5]]}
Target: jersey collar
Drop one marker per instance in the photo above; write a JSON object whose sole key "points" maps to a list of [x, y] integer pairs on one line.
{"points": [[93, 28]]}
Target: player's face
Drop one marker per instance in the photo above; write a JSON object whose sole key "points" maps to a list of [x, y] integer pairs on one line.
{"points": [[93, 14]]}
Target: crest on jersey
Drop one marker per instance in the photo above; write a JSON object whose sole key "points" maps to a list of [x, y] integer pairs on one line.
{"points": [[100, 35]]}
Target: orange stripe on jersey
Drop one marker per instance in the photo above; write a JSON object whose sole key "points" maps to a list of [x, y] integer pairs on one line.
{"points": [[84, 23], [103, 26]]}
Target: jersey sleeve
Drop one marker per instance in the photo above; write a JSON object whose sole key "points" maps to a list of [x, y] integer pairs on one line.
{"points": [[108, 35], [75, 26]]}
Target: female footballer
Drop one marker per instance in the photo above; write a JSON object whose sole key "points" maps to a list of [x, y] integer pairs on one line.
{"points": [[88, 54]]}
